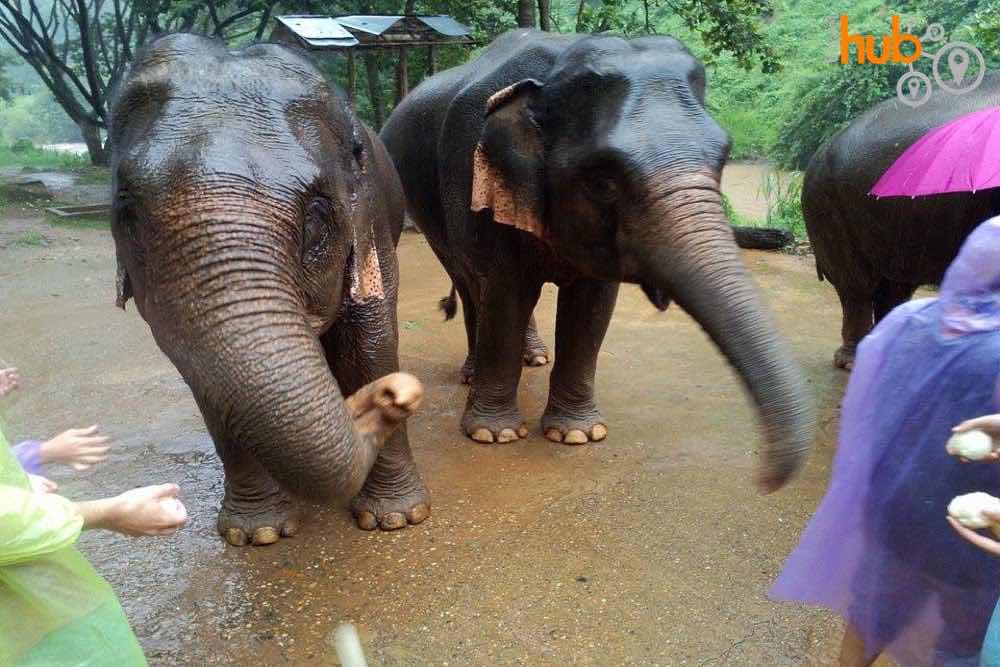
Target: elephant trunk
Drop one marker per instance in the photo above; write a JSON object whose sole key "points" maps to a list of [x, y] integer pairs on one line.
{"points": [[691, 255], [233, 323]]}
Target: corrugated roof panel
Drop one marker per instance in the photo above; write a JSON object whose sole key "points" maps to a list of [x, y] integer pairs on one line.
{"points": [[375, 25], [319, 30], [446, 25]]}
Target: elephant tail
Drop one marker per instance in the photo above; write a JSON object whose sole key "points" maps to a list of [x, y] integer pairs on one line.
{"points": [[759, 238], [449, 304]]}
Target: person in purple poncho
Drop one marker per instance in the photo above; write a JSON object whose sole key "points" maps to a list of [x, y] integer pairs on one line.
{"points": [[879, 550]]}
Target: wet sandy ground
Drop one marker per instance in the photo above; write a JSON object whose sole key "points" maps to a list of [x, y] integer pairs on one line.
{"points": [[651, 548]]}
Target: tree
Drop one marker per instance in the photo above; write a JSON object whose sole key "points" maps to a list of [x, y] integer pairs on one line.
{"points": [[526, 13], [81, 48], [5, 83]]}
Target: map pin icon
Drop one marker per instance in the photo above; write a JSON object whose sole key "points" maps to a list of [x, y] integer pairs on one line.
{"points": [[958, 63]]}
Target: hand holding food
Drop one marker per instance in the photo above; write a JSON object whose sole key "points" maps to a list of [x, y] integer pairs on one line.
{"points": [[973, 510], [974, 445]]}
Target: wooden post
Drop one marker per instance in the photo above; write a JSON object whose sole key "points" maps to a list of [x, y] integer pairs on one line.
{"points": [[352, 76], [402, 75], [432, 60]]}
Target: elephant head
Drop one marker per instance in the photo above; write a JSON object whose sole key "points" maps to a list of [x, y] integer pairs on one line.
{"points": [[615, 164], [246, 213]]}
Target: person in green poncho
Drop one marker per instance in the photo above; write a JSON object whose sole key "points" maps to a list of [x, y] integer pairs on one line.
{"points": [[54, 607]]}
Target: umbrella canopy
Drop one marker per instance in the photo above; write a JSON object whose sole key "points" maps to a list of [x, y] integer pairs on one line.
{"points": [[962, 155]]}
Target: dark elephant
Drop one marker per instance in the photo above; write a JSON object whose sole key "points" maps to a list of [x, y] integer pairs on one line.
{"points": [[876, 252], [585, 161], [255, 222]]}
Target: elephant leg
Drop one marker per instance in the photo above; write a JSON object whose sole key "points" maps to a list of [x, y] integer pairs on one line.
{"points": [[491, 413], [469, 315], [888, 295], [359, 351], [858, 308], [584, 311], [255, 510], [535, 353]]}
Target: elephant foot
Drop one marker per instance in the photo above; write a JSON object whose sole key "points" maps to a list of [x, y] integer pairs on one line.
{"points": [[393, 502], [574, 425], [260, 521], [844, 357], [468, 369], [489, 426], [535, 353]]}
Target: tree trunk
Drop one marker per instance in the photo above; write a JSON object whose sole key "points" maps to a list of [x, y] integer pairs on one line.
{"points": [[526, 13], [375, 89], [431, 60], [544, 17], [92, 136]]}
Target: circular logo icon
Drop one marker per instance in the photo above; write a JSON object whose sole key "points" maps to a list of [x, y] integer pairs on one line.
{"points": [[960, 58], [913, 88]]}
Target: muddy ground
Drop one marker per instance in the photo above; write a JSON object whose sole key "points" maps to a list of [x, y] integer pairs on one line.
{"points": [[651, 548]]}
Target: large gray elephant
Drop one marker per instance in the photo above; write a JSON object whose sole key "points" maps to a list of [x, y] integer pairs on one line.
{"points": [[876, 252], [585, 161], [255, 222]]}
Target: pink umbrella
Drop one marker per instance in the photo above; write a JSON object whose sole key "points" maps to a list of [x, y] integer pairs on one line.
{"points": [[962, 155]]}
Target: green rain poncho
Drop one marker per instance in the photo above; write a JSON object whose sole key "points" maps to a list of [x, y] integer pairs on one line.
{"points": [[54, 608]]}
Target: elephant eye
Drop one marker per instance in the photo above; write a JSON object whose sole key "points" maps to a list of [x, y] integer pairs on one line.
{"points": [[602, 188], [316, 226]]}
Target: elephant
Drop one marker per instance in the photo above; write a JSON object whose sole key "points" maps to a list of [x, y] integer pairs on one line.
{"points": [[585, 161], [255, 221], [877, 251]]}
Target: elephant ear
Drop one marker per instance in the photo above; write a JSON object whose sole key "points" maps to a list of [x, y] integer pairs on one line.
{"points": [[507, 175]]}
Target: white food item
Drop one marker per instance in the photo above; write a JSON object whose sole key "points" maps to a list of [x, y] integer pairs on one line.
{"points": [[968, 509], [348, 646], [974, 445], [176, 508]]}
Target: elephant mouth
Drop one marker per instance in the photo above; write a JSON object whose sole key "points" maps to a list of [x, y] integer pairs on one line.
{"points": [[657, 295]]}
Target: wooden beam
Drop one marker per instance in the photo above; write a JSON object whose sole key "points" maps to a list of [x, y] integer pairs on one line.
{"points": [[402, 74], [352, 76]]}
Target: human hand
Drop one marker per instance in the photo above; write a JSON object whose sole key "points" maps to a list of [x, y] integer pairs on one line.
{"points": [[79, 448], [40, 484], [150, 510], [8, 380], [988, 424], [987, 544]]}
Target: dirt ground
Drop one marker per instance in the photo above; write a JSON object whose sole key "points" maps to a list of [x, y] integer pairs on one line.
{"points": [[651, 548]]}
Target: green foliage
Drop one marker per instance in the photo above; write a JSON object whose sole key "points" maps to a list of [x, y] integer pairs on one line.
{"points": [[783, 194], [826, 102], [6, 85], [36, 118], [30, 239], [36, 158]]}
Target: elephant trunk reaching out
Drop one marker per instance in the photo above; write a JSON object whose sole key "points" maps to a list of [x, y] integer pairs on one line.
{"points": [[687, 251]]}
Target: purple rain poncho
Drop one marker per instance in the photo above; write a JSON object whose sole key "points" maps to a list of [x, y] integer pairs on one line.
{"points": [[878, 550]]}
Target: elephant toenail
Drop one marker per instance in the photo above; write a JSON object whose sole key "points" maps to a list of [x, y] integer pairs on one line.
{"points": [[418, 513], [236, 536], [575, 437], [599, 432], [507, 435], [539, 360], [367, 521], [393, 521], [482, 435], [265, 535], [554, 434], [522, 431]]}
